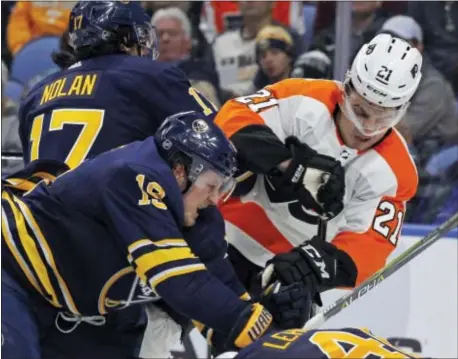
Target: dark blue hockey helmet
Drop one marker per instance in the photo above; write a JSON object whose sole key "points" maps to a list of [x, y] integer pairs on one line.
{"points": [[95, 25], [196, 135]]}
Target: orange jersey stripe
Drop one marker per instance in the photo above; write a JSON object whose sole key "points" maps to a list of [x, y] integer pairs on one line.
{"points": [[235, 115], [256, 224], [368, 252], [394, 151]]}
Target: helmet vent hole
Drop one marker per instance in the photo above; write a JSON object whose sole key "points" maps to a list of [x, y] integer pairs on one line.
{"points": [[404, 56], [365, 66], [400, 87], [359, 79], [389, 49]]}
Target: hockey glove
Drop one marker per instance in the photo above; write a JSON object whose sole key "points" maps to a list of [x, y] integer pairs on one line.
{"points": [[291, 306], [250, 325], [318, 180], [317, 264]]}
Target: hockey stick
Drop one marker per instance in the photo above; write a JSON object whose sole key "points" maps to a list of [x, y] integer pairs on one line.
{"points": [[382, 274]]}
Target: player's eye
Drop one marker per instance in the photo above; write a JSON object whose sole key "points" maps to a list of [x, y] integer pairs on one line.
{"points": [[360, 112]]}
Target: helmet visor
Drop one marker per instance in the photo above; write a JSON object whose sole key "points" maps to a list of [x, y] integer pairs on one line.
{"points": [[369, 119], [147, 40], [203, 174]]}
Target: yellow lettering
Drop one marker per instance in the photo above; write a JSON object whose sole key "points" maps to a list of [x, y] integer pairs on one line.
{"points": [[75, 88], [47, 93], [329, 343], [55, 89], [61, 88], [144, 200], [35, 136], [88, 85], [285, 338], [276, 346], [157, 193]]}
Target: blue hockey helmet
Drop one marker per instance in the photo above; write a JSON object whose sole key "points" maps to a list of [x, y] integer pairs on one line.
{"points": [[95, 25], [196, 135]]}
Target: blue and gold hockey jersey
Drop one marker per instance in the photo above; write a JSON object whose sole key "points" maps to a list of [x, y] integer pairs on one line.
{"points": [[107, 235], [102, 103], [321, 344]]}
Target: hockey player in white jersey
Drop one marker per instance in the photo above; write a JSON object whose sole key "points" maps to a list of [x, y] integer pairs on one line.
{"points": [[291, 133]]}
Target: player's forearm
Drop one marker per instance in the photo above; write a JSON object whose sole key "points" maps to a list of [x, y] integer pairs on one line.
{"points": [[259, 150], [224, 271], [202, 297]]}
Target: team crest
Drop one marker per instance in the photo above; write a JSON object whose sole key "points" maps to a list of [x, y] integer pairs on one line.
{"points": [[166, 145], [200, 126], [123, 289]]}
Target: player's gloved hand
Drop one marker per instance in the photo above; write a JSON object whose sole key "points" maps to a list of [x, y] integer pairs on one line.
{"points": [[318, 180], [317, 264], [250, 325], [291, 306]]}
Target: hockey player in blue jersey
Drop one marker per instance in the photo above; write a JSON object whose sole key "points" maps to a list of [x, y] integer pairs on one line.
{"points": [[111, 95], [319, 344], [118, 231]]}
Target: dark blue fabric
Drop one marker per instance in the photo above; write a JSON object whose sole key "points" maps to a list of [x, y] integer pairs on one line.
{"points": [[19, 328]]}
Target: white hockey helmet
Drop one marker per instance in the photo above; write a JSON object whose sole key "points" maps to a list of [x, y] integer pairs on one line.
{"points": [[385, 72]]}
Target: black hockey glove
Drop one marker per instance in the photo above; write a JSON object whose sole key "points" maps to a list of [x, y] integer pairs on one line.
{"points": [[291, 306], [317, 264], [318, 180]]}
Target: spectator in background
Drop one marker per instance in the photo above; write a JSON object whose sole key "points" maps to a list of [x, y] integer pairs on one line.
{"points": [[274, 54], [32, 19], [326, 12], [312, 64], [11, 143], [173, 29], [234, 51], [433, 114], [193, 10], [367, 19], [6, 8], [221, 16], [439, 21]]}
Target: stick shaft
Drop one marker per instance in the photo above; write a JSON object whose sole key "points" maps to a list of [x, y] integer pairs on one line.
{"points": [[382, 274]]}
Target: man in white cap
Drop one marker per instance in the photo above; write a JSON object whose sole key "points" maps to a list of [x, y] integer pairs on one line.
{"points": [[432, 114]]}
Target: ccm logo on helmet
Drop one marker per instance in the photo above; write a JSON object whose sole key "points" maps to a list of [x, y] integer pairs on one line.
{"points": [[378, 92]]}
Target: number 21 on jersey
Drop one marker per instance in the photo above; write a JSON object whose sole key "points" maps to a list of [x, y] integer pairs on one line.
{"points": [[388, 220], [89, 120]]}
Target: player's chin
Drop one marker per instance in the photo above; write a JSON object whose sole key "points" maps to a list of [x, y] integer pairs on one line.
{"points": [[190, 218]]}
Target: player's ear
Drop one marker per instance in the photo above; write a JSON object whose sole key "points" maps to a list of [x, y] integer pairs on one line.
{"points": [[179, 171]]}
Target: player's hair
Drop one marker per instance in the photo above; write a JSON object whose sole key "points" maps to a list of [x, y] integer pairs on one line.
{"points": [[117, 46], [176, 14], [65, 57], [178, 158]]}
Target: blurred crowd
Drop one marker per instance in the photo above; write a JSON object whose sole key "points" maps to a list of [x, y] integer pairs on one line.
{"points": [[230, 48]]}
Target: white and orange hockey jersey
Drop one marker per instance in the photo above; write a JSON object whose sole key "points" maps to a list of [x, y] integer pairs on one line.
{"points": [[379, 181]]}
